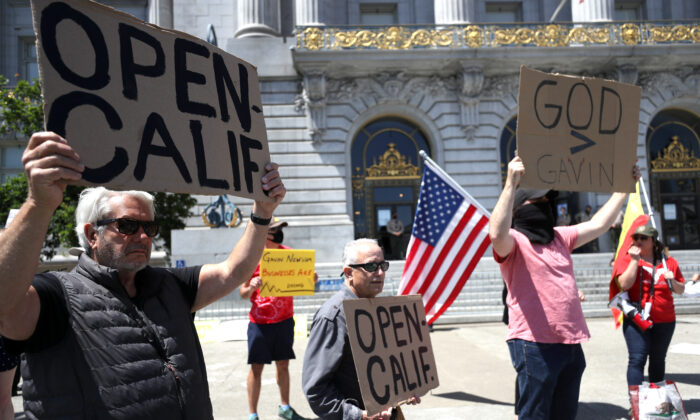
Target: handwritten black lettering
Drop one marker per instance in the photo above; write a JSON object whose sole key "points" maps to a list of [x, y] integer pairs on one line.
{"points": [[383, 322], [412, 320], [58, 117], [373, 360], [557, 107], [396, 374], [204, 180], [614, 129], [393, 310], [249, 166], [240, 102], [129, 67], [578, 110], [367, 348], [156, 123], [51, 16], [183, 77]]}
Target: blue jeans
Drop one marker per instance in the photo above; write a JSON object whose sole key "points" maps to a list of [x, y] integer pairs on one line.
{"points": [[549, 378], [652, 343]]}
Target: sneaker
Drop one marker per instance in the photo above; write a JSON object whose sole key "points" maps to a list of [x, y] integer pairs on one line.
{"points": [[289, 414], [253, 417]]}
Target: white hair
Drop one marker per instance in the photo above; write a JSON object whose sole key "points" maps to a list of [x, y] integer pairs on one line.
{"points": [[93, 206], [353, 247]]}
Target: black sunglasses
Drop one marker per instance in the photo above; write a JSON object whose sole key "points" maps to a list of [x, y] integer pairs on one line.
{"points": [[371, 267], [128, 226], [637, 237]]}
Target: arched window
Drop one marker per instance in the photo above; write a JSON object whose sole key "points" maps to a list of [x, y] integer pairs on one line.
{"points": [[673, 151], [386, 174]]}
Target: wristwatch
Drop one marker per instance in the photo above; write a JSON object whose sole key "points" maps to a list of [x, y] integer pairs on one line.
{"points": [[259, 220]]}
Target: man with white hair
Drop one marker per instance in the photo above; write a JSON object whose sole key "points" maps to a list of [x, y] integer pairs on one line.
{"points": [[114, 338], [328, 377]]}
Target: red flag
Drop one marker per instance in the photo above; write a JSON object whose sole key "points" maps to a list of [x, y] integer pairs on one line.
{"points": [[450, 234], [621, 263]]}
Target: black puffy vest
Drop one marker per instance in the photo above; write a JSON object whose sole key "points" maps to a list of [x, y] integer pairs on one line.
{"points": [[120, 359]]}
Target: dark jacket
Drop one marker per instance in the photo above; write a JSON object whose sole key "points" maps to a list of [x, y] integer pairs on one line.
{"points": [[120, 358], [328, 378]]}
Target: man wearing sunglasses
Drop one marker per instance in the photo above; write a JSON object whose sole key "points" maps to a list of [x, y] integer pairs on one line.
{"points": [[328, 378], [545, 321], [114, 338]]}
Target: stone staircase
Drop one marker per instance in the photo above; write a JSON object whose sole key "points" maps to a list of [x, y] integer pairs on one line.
{"points": [[480, 300]]}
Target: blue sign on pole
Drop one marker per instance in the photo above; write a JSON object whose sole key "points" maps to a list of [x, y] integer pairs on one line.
{"points": [[180, 263]]}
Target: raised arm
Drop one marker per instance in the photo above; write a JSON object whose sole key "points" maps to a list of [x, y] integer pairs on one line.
{"points": [[218, 280], [50, 163], [502, 215], [603, 218]]}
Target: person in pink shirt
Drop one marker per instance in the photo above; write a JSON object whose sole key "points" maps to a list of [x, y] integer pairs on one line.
{"points": [[546, 325]]}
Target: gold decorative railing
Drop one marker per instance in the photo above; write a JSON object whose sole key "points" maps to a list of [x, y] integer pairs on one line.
{"points": [[321, 38]]}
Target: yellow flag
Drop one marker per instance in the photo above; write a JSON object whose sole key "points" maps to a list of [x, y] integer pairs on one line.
{"points": [[634, 210]]}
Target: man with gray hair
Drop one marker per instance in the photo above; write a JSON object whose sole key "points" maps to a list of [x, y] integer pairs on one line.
{"points": [[114, 338], [328, 377]]}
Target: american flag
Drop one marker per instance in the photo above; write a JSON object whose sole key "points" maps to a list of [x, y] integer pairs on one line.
{"points": [[450, 234]]}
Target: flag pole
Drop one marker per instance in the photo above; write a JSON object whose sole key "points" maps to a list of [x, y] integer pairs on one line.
{"points": [[454, 183]]}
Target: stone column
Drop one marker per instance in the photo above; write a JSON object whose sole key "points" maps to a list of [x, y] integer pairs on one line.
{"points": [[306, 13], [449, 12], [258, 18], [593, 10], [160, 12]]}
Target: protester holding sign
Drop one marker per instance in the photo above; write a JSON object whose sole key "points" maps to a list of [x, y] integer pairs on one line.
{"points": [[270, 333], [546, 323], [647, 280], [114, 338], [329, 379]]}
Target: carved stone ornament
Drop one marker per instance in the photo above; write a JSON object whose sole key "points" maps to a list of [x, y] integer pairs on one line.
{"points": [[627, 73], [498, 87], [681, 82], [675, 157], [390, 87], [314, 99], [472, 84]]}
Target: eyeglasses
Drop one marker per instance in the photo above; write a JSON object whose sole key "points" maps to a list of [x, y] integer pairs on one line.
{"points": [[371, 267], [128, 226], [639, 237]]}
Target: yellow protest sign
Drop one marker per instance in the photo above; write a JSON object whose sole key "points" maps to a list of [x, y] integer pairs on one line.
{"points": [[287, 272]]}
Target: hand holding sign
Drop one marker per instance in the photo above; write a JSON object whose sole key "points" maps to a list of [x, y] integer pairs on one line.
{"points": [[575, 133], [50, 164]]}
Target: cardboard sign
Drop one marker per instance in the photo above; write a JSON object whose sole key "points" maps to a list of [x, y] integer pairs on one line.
{"points": [[148, 108], [391, 348], [287, 272], [577, 133]]}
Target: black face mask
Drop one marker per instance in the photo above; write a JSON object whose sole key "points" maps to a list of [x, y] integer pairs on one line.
{"points": [[277, 236], [536, 221]]}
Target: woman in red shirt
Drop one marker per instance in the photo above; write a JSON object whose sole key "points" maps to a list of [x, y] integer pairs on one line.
{"points": [[646, 264]]}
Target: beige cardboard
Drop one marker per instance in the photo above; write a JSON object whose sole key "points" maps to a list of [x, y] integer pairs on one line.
{"points": [[389, 339], [556, 114], [146, 141], [287, 272]]}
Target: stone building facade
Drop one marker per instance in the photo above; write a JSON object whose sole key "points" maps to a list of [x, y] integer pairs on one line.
{"points": [[353, 89]]}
